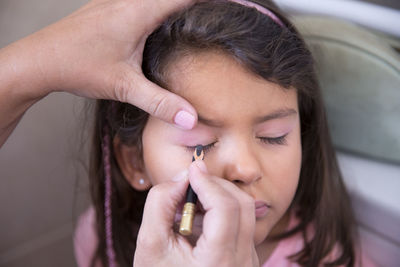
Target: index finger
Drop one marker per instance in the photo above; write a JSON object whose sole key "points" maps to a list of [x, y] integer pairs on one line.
{"points": [[222, 218]]}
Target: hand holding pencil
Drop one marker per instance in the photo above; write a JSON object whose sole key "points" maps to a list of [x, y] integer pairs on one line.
{"points": [[189, 209], [228, 219]]}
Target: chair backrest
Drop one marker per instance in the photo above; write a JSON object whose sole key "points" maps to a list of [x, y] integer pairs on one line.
{"points": [[360, 78], [359, 75]]}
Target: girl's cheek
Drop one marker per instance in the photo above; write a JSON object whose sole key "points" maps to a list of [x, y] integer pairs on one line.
{"points": [[166, 168]]}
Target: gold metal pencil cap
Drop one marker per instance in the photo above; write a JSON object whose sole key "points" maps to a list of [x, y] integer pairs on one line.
{"points": [[188, 213]]}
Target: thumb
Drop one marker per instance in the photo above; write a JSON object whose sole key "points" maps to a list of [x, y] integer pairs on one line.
{"points": [[137, 90], [160, 208]]}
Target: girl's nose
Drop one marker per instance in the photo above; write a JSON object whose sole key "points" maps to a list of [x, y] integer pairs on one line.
{"points": [[241, 165]]}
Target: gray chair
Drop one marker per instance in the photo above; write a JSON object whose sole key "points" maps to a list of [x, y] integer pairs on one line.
{"points": [[360, 78]]}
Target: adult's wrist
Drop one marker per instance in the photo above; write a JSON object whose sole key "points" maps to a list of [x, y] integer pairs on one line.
{"points": [[21, 85], [21, 74]]}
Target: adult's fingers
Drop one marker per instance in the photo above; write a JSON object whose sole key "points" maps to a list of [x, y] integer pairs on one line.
{"points": [[230, 217], [147, 95], [247, 219], [159, 213], [222, 218], [132, 87], [121, 78]]}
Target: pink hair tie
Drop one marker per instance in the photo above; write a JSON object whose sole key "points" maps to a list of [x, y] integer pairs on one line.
{"points": [[261, 9], [107, 198]]}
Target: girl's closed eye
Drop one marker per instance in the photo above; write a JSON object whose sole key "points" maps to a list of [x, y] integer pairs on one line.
{"points": [[206, 148], [280, 140]]}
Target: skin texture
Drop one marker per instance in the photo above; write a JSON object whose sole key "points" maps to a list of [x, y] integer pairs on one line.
{"points": [[95, 52], [231, 103]]}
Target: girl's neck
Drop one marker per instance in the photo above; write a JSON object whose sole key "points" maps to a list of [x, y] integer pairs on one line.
{"points": [[266, 248]]}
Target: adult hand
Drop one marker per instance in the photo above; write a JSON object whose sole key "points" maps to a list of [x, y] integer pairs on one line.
{"points": [[95, 52], [228, 225]]}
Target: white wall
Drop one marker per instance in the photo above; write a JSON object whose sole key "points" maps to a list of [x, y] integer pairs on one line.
{"points": [[39, 170], [373, 16]]}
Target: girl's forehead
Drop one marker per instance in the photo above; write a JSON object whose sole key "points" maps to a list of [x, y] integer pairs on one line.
{"points": [[218, 86]]}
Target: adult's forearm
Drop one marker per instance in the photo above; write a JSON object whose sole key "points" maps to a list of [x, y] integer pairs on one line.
{"points": [[21, 84]]}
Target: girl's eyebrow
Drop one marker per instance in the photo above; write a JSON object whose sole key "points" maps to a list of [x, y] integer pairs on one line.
{"points": [[280, 113], [209, 122]]}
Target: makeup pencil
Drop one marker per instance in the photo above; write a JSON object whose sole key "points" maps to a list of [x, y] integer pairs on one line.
{"points": [[189, 209]]}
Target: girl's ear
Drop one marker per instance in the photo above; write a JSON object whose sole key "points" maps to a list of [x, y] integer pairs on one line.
{"points": [[131, 165]]}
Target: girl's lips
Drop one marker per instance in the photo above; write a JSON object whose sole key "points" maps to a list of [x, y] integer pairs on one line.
{"points": [[262, 209]]}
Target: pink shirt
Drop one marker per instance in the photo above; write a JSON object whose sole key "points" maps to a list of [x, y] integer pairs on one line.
{"points": [[291, 245], [85, 243], [85, 238]]}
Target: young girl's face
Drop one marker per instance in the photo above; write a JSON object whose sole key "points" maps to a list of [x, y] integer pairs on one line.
{"points": [[249, 127]]}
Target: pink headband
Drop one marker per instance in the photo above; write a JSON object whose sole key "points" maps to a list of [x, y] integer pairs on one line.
{"points": [[261, 9]]}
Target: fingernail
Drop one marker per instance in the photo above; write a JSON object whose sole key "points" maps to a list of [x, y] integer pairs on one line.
{"points": [[184, 119], [201, 165], [180, 176]]}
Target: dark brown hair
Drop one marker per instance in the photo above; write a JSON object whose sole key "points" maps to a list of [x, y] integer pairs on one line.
{"points": [[275, 53]]}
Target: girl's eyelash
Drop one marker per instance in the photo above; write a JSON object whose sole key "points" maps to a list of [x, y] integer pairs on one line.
{"points": [[206, 148], [281, 140]]}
